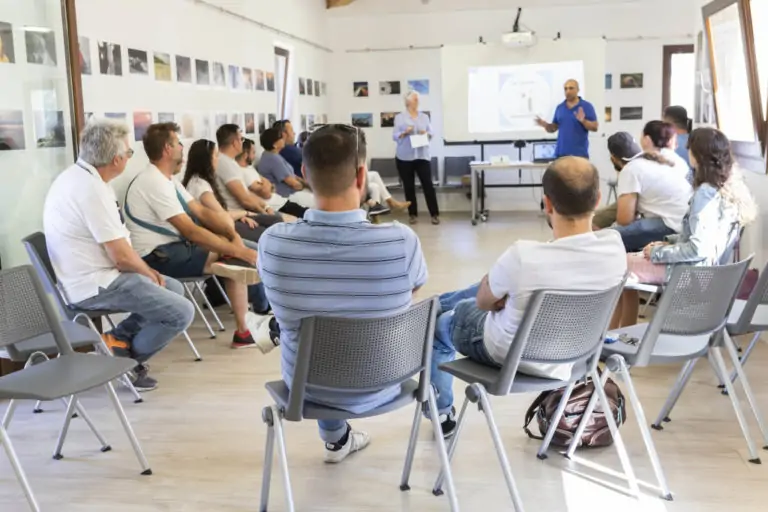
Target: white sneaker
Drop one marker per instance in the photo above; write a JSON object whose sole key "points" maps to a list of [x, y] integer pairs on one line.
{"points": [[356, 441], [254, 321], [263, 337]]}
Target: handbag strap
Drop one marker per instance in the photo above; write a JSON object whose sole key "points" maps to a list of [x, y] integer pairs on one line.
{"points": [[160, 230]]}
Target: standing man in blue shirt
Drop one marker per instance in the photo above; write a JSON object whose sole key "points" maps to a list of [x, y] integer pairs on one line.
{"points": [[574, 119]]}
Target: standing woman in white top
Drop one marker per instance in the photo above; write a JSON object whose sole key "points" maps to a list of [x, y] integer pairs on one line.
{"points": [[653, 190], [415, 161]]}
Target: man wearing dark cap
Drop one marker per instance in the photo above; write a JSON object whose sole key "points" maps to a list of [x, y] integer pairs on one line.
{"points": [[623, 149], [481, 321]]}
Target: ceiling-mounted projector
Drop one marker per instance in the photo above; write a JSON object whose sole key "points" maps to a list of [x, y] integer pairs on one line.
{"points": [[518, 38]]}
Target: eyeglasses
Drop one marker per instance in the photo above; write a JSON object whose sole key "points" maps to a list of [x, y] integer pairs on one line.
{"points": [[344, 128], [129, 153]]}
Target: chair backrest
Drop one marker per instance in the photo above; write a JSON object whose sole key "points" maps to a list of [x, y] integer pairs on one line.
{"points": [[559, 327], [37, 249], [696, 301], [758, 297], [732, 247], [345, 355], [387, 168], [456, 167], [25, 311]]}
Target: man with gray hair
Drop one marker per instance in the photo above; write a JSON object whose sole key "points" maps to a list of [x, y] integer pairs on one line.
{"points": [[97, 268]]}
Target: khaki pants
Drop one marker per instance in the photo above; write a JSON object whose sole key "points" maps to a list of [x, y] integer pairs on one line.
{"points": [[605, 217]]}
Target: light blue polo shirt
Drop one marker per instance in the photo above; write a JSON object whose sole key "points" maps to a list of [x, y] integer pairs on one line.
{"points": [[338, 264], [572, 137]]}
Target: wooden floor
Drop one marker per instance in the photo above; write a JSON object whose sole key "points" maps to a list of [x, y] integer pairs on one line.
{"points": [[202, 433]]}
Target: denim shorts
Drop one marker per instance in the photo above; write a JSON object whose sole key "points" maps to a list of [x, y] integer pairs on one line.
{"points": [[642, 232], [178, 259]]}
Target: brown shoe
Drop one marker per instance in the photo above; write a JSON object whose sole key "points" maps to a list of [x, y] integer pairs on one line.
{"points": [[435, 220], [413, 220], [398, 205]]}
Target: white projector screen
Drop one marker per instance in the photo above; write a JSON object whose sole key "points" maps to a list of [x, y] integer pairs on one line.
{"points": [[492, 92]]}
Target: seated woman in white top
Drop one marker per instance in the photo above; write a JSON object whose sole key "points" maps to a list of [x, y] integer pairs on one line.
{"points": [[653, 190], [199, 180]]}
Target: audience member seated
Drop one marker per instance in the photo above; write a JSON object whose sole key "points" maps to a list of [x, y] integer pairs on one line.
{"points": [[263, 188], [200, 181], [481, 321], [90, 249], [653, 190], [322, 253], [290, 152], [274, 168], [163, 219], [623, 149], [379, 196], [677, 116], [720, 206]]}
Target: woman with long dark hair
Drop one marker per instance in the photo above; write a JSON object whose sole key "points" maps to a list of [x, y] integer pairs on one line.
{"points": [[653, 190], [721, 205], [200, 181]]}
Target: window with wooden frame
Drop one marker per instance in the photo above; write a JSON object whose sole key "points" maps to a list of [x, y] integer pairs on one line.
{"points": [[739, 78], [679, 75]]}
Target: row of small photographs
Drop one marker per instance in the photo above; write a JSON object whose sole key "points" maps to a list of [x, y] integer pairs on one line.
{"points": [[387, 119], [40, 45], [391, 87], [626, 81], [625, 114], [309, 120], [308, 87], [48, 125], [110, 56]]}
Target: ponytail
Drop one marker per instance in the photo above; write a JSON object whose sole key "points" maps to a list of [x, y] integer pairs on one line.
{"points": [[689, 125]]}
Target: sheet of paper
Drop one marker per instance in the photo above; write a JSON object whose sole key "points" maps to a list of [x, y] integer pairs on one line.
{"points": [[419, 141]]}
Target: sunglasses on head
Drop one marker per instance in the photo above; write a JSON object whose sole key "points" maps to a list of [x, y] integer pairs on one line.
{"points": [[347, 128]]}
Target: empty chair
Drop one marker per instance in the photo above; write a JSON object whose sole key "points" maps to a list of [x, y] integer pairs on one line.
{"points": [[27, 314], [358, 355], [557, 328], [456, 167], [387, 169]]}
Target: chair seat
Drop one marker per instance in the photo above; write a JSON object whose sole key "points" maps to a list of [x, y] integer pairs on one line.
{"points": [[63, 376], [668, 349], [199, 279], [95, 313], [759, 320], [642, 287], [78, 335], [312, 411], [471, 372]]}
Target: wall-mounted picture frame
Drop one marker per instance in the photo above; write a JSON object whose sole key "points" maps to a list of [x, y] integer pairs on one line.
{"points": [[310, 87], [360, 89], [362, 120], [420, 86], [608, 114], [12, 130], [631, 113], [110, 59], [302, 87], [202, 72], [249, 123], [390, 87], [388, 119], [631, 80], [261, 84], [41, 46], [84, 48], [162, 62], [270, 81], [138, 63], [49, 129], [141, 122], [183, 69], [608, 81], [7, 51], [219, 75]]}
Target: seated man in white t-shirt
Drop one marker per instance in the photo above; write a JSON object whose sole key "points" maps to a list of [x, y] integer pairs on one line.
{"points": [[90, 249], [163, 219], [481, 322]]}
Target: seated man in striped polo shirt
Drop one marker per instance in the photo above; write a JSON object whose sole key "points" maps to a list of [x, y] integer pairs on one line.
{"points": [[334, 262]]}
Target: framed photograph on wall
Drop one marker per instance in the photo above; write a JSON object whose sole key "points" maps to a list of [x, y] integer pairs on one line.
{"points": [[262, 123], [420, 86], [360, 89], [608, 81], [183, 69], [362, 120], [250, 124], [608, 114], [388, 119], [202, 72], [84, 45], [631, 113], [271, 120], [234, 77], [49, 129], [270, 81], [162, 66], [317, 88], [247, 79], [302, 87], [7, 53], [219, 76], [110, 59], [261, 84], [166, 117], [41, 46], [631, 80], [137, 62], [141, 121], [12, 130], [389, 88], [310, 87]]}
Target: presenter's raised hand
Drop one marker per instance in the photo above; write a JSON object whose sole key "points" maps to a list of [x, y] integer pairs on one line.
{"points": [[541, 122], [580, 116]]}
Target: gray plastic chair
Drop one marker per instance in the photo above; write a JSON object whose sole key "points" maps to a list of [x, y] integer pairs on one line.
{"points": [[557, 328], [26, 314], [37, 249], [195, 284], [689, 325], [351, 356]]}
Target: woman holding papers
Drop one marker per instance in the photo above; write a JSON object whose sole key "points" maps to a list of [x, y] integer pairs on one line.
{"points": [[412, 133]]}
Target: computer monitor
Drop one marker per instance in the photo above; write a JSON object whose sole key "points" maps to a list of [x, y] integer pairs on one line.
{"points": [[544, 152]]}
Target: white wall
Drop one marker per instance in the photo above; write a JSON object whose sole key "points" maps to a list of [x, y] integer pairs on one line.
{"points": [[199, 31], [636, 34]]}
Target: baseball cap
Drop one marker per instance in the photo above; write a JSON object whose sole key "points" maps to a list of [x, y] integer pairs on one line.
{"points": [[623, 146]]}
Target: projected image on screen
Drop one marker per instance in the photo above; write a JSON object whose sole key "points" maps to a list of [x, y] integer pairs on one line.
{"points": [[508, 98]]}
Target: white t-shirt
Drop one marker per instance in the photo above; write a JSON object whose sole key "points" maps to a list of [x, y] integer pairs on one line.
{"points": [[663, 191], [152, 198], [79, 216], [251, 176], [197, 186], [228, 171], [589, 262]]}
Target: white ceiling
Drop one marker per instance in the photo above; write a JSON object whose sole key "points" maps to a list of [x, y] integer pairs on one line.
{"points": [[374, 7]]}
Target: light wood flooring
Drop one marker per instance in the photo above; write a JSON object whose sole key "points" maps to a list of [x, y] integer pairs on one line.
{"points": [[203, 435]]}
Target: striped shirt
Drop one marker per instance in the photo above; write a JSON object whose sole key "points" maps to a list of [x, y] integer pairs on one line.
{"points": [[338, 264]]}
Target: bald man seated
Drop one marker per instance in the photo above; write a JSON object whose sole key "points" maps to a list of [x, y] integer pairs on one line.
{"points": [[481, 321]]}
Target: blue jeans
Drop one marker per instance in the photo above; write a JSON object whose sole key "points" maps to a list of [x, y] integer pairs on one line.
{"points": [[642, 232], [158, 315], [331, 431], [460, 327]]}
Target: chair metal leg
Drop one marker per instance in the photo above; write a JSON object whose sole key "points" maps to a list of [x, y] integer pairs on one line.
{"points": [[199, 288], [747, 387], [437, 489], [682, 380], [105, 447], [629, 473], [585, 417], [38, 408], [8, 416], [191, 297], [542, 454], [722, 373], [223, 293], [445, 464], [644, 431], [411, 449], [268, 418], [20, 475], [745, 355], [192, 347], [111, 323], [65, 428], [644, 310], [128, 429], [280, 438]]}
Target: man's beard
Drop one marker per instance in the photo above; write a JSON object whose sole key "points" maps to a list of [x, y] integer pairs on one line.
{"points": [[617, 167], [249, 161]]}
